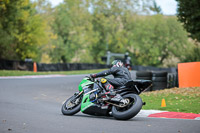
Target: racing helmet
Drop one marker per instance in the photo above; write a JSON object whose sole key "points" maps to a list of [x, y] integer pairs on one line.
{"points": [[117, 63]]}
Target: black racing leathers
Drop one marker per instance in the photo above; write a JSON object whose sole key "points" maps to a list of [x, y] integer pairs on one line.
{"points": [[121, 75]]}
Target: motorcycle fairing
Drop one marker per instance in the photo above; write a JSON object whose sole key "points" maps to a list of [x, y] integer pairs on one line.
{"points": [[83, 83], [88, 105]]}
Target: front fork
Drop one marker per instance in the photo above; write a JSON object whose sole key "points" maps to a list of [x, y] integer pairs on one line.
{"points": [[77, 95]]}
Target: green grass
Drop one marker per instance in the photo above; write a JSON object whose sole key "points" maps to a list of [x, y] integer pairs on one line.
{"points": [[23, 73], [177, 100]]}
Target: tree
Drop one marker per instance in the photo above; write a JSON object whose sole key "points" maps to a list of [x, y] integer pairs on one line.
{"points": [[110, 20], [193, 54], [189, 14], [155, 8], [23, 30], [72, 26], [156, 39], [46, 12], [7, 13]]}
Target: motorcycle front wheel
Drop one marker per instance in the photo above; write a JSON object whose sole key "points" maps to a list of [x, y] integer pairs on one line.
{"points": [[129, 111], [71, 105]]}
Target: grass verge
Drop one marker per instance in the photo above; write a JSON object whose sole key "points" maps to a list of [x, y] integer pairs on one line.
{"points": [[24, 73], [177, 100]]}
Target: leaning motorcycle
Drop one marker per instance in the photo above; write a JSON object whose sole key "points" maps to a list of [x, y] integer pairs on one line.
{"points": [[90, 99]]}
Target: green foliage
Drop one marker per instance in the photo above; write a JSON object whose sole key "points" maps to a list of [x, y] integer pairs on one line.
{"points": [[72, 25], [157, 38], [92, 28], [109, 19], [189, 15], [193, 54], [22, 30], [83, 31], [7, 13], [155, 8], [44, 9]]}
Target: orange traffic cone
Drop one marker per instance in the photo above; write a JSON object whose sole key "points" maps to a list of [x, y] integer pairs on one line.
{"points": [[34, 67], [163, 104]]}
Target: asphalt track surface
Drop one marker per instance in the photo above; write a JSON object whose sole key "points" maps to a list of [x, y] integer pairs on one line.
{"points": [[33, 105]]}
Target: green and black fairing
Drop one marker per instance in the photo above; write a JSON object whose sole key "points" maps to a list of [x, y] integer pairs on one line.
{"points": [[89, 103]]}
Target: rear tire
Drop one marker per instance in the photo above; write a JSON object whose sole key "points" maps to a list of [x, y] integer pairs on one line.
{"points": [[129, 111], [66, 110]]}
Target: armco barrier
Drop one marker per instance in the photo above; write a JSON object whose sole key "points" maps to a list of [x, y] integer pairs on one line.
{"points": [[28, 66], [15, 65]]}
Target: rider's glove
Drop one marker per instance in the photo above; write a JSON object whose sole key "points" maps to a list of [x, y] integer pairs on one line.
{"points": [[93, 75]]}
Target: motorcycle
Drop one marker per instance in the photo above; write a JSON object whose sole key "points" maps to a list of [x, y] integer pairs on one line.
{"points": [[91, 99]]}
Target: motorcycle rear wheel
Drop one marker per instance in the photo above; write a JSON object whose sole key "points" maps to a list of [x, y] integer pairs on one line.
{"points": [[130, 110], [71, 106]]}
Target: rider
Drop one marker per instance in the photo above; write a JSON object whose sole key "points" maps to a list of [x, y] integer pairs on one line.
{"points": [[121, 76]]}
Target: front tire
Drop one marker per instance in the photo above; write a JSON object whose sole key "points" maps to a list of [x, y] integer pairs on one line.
{"points": [[130, 110], [71, 106]]}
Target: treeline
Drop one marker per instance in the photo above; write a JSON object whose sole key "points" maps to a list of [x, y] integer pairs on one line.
{"points": [[84, 30]]}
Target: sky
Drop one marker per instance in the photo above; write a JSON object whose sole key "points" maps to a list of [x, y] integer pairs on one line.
{"points": [[168, 6]]}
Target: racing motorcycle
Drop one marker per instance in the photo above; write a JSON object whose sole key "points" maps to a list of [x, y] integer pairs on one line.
{"points": [[91, 99]]}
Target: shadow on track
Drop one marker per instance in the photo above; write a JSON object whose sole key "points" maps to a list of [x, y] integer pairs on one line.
{"points": [[99, 117]]}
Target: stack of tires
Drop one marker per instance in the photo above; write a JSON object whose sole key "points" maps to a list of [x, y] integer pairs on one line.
{"points": [[159, 80], [172, 80], [144, 75]]}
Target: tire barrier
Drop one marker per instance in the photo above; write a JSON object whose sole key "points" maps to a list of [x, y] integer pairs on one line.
{"points": [[150, 68], [145, 75], [161, 79], [159, 74], [172, 80]]}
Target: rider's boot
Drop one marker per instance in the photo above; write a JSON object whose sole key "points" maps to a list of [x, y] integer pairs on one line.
{"points": [[113, 96], [110, 94]]}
